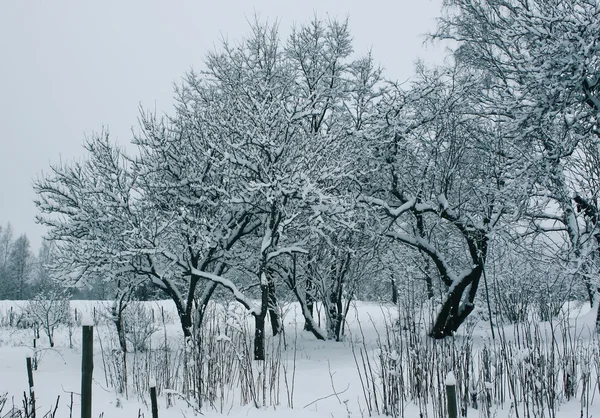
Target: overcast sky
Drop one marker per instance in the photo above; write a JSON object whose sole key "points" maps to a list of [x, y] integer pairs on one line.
{"points": [[69, 68]]}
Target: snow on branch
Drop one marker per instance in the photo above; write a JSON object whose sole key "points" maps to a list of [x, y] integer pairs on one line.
{"points": [[392, 212], [286, 250], [445, 206], [228, 284], [447, 276], [266, 241]]}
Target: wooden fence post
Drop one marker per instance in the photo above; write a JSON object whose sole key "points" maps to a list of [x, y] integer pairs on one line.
{"points": [[35, 355], [451, 395], [153, 399], [31, 412], [87, 368]]}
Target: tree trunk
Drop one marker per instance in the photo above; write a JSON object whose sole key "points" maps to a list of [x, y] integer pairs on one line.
{"points": [[259, 324], [51, 337], [202, 302], [121, 333], [428, 281], [310, 303], [259, 337], [309, 322], [394, 292], [331, 320], [117, 317], [335, 319], [273, 311], [336, 306], [339, 320], [590, 290], [335, 315], [454, 311], [185, 319]]}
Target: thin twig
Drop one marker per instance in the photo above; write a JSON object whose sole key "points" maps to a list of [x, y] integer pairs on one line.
{"points": [[328, 396]]}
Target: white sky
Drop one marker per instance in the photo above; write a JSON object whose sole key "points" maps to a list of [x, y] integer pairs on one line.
{"points": [[71, 67]]}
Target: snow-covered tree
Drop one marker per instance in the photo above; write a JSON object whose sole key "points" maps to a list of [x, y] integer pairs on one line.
{"points": [[441, 187], [49, 310], [291, 166], [20, 267], [6, 238], [275, 116], [541, 62]]}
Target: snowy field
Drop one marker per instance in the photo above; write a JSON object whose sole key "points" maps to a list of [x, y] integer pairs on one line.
{"points": [[382, 366]]}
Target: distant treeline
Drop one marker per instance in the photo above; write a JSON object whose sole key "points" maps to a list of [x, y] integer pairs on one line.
{"points": [[23, 274]]}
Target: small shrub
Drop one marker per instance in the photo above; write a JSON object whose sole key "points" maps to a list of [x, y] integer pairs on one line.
{"points": [[139, 325], [48, 310]]}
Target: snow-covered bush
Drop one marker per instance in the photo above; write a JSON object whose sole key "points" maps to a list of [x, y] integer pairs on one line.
{"points": [[8, 316], [140, 325], [48, 310], [531, 367]]}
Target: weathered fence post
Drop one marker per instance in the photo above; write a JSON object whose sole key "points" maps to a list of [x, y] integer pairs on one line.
{"points": [[153, 399], [87, 368], [31, 412], [35, 357], [451, 395]]}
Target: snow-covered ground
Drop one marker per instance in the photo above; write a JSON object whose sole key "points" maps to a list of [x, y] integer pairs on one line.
{"points": [[325, 375]]}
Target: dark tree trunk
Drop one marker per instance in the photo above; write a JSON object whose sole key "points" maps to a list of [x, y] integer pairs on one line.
{"points": [[118, 315], [590, 290], [259, 337], [306, 311], [259, 324], [118, 321], [332, 320], [310, 303], [454, 310], [457, 306], [203, 301], [184, 314], [339, 320], [428, 280], [345, 313], [585, 274], [336, 315], [308, 318], [50, 337], [394, 292], [185, 318], [336, 306], [429, 285], [273, 311], [426, 269]]}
